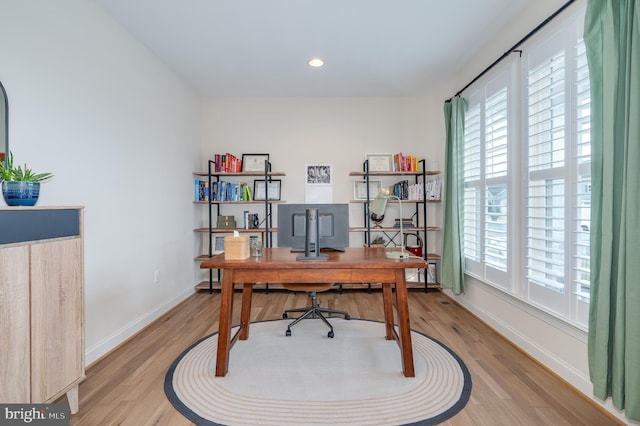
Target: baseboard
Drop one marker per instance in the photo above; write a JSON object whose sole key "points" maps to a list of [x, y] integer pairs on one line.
{"points": [[555, 366], [112, 342]]}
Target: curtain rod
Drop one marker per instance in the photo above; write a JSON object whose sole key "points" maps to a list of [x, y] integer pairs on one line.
{"points": [[515, 46]]}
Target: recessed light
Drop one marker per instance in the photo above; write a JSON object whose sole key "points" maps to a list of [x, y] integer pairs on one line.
{"points": [[315, 62]]}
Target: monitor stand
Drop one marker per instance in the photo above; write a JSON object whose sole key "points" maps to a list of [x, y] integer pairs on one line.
{"points": [[312, 238]]}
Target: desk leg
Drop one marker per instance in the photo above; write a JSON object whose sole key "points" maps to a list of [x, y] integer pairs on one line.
{"points": [[404, 324], [387, 298], [245, 310], [224, 326]]}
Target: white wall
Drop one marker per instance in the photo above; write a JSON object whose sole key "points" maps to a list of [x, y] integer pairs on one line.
{"points": [[121, 134], [336, 131]]}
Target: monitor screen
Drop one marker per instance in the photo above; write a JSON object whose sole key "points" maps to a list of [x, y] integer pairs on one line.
{"points": [[333, 221]]}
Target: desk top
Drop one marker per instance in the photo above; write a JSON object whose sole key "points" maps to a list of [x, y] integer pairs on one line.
{"points": [[351, 258]]}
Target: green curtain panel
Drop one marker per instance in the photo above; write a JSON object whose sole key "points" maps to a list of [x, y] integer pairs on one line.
{"points": [[452, 266], [612, 37]]}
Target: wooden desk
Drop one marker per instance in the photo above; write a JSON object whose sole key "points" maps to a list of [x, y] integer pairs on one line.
{"points": [[279, 265]]}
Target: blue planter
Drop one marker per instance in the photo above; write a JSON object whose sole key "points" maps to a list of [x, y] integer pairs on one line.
{"points": [[17, 193]]}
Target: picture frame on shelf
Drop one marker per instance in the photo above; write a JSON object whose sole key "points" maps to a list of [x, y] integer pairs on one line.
{"points": [[432, 273], [360, 189], [260, 192], [254, 162], [380, 162], [218, 246]]}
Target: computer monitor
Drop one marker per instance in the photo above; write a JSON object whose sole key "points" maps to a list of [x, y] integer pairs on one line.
{"points": [[333, 221]]}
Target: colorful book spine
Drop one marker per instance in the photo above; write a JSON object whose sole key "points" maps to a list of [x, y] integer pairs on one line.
{"points": [[201, 189]]}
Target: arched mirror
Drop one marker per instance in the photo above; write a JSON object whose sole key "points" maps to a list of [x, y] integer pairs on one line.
{"points": [[4, 124]]}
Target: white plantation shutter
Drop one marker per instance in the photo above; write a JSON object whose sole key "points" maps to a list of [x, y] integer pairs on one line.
{"points": [[495, 189], [581, 225], [557, 170], [486, 177], [527, 174], [472, 200], [545, 210]]}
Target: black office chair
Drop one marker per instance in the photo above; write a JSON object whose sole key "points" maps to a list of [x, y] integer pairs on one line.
{"points": [[313, 311]]}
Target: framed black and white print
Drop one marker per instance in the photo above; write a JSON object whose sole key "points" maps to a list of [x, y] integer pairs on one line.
{"points": [[260, 192], [254, 162], [318, 174]]}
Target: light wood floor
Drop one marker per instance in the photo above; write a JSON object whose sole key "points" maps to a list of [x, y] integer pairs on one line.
{"points": [[126, 387]]}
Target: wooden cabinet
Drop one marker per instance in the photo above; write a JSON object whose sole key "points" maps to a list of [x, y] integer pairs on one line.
{"points": [[41, 305]]}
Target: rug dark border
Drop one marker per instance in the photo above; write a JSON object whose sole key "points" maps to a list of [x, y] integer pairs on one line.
{"points": [[452, 411]]}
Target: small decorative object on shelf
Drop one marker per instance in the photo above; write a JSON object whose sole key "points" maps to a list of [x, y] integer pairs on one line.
{"points": [[433, 189], [20, 186], [226, 222]]}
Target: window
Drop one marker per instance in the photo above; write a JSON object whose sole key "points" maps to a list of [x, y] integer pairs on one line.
{"points": [[526, 162], [486, 179]]}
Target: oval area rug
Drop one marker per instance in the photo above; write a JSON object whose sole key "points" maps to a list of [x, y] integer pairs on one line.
{"points": [[309, 379]]}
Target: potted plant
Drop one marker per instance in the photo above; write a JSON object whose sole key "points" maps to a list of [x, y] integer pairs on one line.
{"points": [[20, 185]]}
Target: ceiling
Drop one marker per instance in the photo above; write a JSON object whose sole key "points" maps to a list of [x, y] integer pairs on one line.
{"points": [[261, 47]]}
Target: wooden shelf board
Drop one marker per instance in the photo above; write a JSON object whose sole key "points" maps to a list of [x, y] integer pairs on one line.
{"points": [[230, 230], [389, 200], [242, 202], [390, 229], [254, 174], [406, 173]]}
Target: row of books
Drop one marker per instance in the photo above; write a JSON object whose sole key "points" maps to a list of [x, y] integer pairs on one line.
{"points": [[222, 191], [406, 191], [227, 163], [405, 163]]}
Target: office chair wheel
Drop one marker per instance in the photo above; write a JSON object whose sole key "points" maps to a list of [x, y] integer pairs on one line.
{"points": [[285, 316], [288, 333], [330, 334]]}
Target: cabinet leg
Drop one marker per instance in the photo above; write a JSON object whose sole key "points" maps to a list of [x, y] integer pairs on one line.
{"points": [[72, 397]]}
